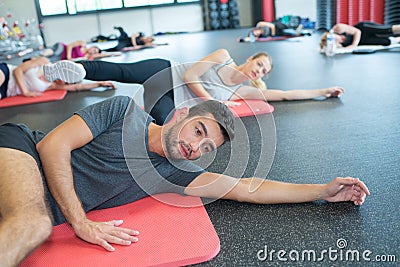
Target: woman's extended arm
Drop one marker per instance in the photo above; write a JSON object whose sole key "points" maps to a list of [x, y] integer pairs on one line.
{"points": [[279, 95], [250, 92], [80, 86]]}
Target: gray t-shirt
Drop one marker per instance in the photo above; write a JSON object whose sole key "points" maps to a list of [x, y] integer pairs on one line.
{"points": [[116, 167]]}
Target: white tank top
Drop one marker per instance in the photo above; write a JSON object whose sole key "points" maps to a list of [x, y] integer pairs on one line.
{"points": [[31, 78], [211, 81]]}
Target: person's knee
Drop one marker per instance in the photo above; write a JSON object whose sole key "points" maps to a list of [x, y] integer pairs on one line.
{"points": [[39, 226], [44, 227], [23, 235]]}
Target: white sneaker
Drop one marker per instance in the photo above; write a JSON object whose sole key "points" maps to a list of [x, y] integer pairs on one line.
{"points": [[64, 70]]}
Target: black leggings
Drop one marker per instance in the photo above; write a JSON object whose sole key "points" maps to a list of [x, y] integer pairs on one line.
{"points": [[3, 87], [123, 41], [373, 33], [153, 74]]}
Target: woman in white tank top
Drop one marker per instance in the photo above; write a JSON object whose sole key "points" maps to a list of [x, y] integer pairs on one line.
{"points": [[252, 71], [27, 79]]}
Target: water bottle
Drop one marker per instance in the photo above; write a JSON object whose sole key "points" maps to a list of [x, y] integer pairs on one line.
{"points": [[330, 44]]}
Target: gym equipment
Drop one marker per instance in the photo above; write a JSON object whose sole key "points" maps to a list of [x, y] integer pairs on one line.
{"points": [[392, 12], [326, 14], [220, 14]]}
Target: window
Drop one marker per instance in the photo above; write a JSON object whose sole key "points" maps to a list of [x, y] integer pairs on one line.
{"points": [[52, 7], [129, 3], [69, 7]]}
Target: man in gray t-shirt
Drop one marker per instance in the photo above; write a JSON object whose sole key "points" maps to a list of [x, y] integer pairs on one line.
{"points": [[111, 153], [118, 179]]}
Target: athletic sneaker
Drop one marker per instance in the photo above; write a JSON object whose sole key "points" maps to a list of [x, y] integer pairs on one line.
{"points": [[64, 70]]}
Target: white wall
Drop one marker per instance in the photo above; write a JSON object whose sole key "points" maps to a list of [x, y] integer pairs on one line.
{"points": [[185, 18], [21, 10], [162, 19], [245, 13], [151, 20], [302, 8]]}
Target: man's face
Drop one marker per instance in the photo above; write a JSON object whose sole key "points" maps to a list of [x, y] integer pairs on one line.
{"points": [[191, 138]]}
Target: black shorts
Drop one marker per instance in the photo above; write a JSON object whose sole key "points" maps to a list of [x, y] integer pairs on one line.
{"points": [[19, 137], [3, 87]]}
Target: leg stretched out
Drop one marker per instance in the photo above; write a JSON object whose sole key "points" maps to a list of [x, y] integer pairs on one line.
{"points": [[153, 74], [135, 72]]}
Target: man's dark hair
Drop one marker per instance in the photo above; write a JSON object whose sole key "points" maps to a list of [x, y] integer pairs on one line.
{"points": [[221, 113]]}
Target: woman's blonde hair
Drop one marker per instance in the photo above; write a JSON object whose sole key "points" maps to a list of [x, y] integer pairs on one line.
{"points": [[322, 43], [259, 83]]}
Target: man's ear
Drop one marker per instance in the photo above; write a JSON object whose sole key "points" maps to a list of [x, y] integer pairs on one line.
{"points": [[181, 113]]}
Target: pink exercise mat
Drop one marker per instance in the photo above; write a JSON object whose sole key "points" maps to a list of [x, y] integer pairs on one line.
{"points": [[170, 235], [51, 95]]}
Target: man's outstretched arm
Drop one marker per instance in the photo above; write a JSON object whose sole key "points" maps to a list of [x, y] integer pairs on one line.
{"points": [[263, 191], [55, 154]]}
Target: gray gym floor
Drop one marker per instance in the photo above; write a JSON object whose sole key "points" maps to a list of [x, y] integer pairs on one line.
{"points": [[357, 135]]}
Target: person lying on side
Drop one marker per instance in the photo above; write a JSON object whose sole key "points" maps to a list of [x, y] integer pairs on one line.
{"points": [[27, 79]]}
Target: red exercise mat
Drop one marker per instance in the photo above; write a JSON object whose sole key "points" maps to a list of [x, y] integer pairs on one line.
{"points": [[246, 108], [47, 96], [251, 108], [170, 235]]}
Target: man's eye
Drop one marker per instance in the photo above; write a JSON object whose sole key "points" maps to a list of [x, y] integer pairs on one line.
{"points": [[198, 132]]}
